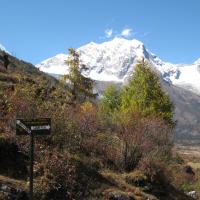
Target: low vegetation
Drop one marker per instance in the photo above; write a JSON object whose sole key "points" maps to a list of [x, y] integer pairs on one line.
{"points": [[118, 147]]}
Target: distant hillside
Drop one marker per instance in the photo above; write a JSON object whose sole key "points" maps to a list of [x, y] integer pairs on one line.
{"points": [[21, 67]]}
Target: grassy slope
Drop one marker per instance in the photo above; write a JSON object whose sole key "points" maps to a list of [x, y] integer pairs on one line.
{"points": [[19, 73], [101, 183]]}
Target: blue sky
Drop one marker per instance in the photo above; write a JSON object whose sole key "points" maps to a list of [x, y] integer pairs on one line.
{"points": [[34, 30]]}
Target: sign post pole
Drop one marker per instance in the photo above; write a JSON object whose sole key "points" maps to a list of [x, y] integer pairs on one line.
{"points": [[33, 127], [31, 166]]}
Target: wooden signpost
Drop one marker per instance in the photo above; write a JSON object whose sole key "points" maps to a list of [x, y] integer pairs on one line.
{"points": [[33, 127]]}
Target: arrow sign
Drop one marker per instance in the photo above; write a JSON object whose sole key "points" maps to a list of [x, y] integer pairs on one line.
{"points": [[39, 126], [23, 126]]}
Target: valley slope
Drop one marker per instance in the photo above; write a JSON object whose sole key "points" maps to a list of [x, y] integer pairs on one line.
{"points": [[114, 61]]}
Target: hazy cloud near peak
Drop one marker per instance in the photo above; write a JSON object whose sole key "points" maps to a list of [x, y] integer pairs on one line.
{"points": [[109, 33], [127, 32]]}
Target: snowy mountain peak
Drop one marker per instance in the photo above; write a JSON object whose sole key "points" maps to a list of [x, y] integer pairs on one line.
{"points": [[112, 60], [122, 41], [108, 61], [197, 62], [54, 65], [115, 61], [116, 43], [2, 48], [92, 43]]}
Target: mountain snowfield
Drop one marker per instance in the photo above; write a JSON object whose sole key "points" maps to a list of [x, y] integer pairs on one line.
{"points": [[115, 60], [2, 48]]}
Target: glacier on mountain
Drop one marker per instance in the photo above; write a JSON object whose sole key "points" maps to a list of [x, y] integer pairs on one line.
{"points": [[115, 60]]}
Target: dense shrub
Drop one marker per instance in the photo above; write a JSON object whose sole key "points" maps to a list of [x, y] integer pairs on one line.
{"points": [[143, 135], [87, 137], [57, 177]]}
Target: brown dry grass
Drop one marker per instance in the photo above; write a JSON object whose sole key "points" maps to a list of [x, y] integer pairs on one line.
{"points": [[191, 155], [13, 182]]}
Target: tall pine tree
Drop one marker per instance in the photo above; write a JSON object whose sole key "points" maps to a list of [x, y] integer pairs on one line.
{"points": [[144, 94], [80, 87]]}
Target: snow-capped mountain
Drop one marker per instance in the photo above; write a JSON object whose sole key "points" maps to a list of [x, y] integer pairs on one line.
{"points": [[2, 48], [109, 61], [115, 60]]}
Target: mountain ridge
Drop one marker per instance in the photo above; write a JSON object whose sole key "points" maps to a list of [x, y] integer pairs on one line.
{"points": [[115, 60], [3, 48], [186, 100], [111, 62]]}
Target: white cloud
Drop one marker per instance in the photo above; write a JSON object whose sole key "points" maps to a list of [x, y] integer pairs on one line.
{"points": [[127, 32], [109, 33]]}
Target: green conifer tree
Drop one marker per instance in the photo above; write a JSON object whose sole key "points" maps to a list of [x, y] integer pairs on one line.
{"points": [[144, 94], [80, 87]]}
